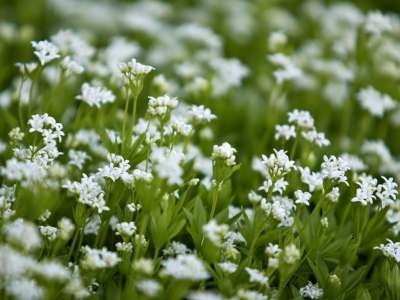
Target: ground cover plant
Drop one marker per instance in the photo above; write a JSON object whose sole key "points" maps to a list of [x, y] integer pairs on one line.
{"points": [[199, 150]]}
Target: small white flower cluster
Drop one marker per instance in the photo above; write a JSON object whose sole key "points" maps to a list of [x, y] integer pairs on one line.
{"points": [[334, 168], [90, 192], [133, 70], [24, 234], [311, 291], [375, 102], [377, 23], [95, 95], [200, 113], [257, 276], [280, 208], [117, 168], [185, 267], [18, 268], [161, 106], [288, 70], [77, 158], [225, 152], [228, 73], [7, 198], [31, 165], [278, 164], [391, 250], [302, 197], [304, 123], [45, 51], [215, 232], [125, 229], [98, 258], [369, 189], [273, 251]]}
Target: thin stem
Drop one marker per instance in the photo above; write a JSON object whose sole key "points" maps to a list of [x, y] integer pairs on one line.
{"points": [[74, 241], [214, 202], [135, 98], [125, 113]]}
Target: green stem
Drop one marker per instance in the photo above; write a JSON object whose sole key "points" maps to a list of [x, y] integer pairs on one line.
{"points": [[74, 241], [125, 114], [214, 202]]}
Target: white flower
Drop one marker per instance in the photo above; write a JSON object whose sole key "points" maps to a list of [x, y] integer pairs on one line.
{"points": [[377, 23], [179, 126], [93, 225], [114, 136], [65, 228], [47, 127], [167, 164], [52, 270], [276, 39], [387, 191], [76, 288], [73, 44], [314, 180], [273, 249], [254, 197], [391, 249], [200, 113], [71, 66], [133, 69], [144, 265], [278, 163], [132, 207], [334, 194], [160, 106], [124, 247], [185, 266], [280, 186], [281, 210], [98, 258], [77, 158], [257, 276], [249, 295], [273, 262], [45, 51], [367, 186], [117, 168], [142, 175], [149, 287], [354, 162], [334, 168], [176, 248], [311, 291], [95, 95], [291, 254], [90, 192], [375, 102], [285, 131], [302, 197], [229, 73], [301, 118], [288, 71], [215, 232], [23, 233], [228, 267], [24, 289], [315, 137], [204, 295], [126, 228], [49, 232], [225, 152]]}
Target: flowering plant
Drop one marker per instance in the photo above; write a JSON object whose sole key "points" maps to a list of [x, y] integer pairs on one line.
{"points": [[213, 150]]}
